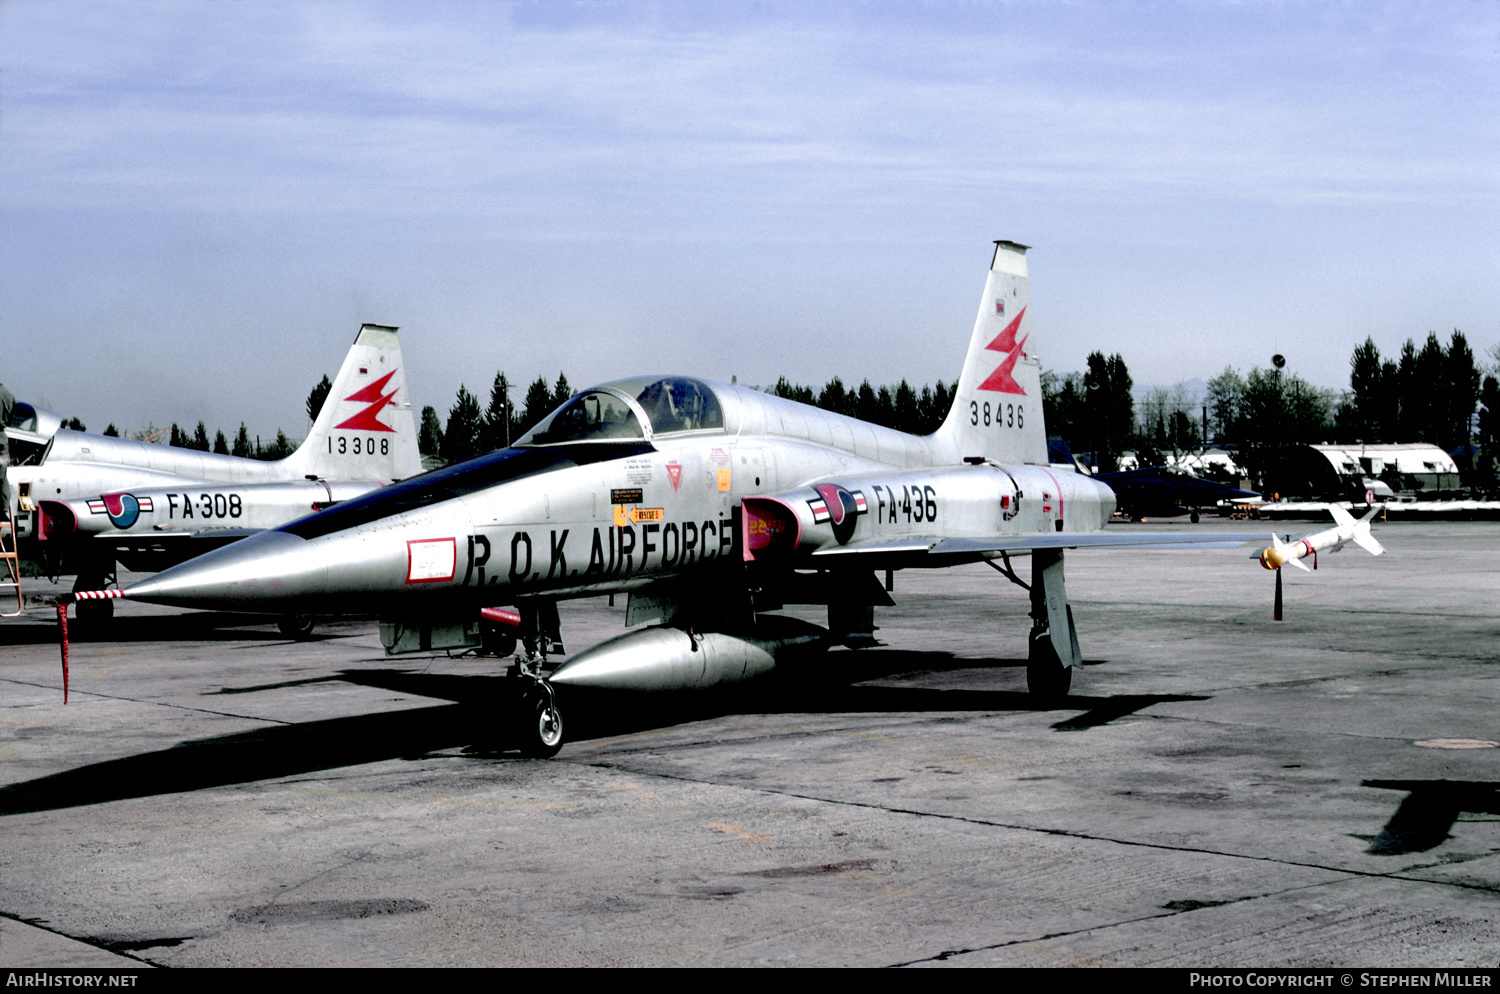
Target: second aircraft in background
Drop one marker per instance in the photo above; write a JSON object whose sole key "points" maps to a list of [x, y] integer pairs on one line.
{"points": [[94, 500]]}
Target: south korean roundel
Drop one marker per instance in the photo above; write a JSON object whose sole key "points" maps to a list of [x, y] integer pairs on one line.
{"points": [[124, 510], [841, 508]]}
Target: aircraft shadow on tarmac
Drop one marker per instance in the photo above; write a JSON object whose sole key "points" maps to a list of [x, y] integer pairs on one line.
{"points": [[202, 626], [1426, 815], [475, 716]]}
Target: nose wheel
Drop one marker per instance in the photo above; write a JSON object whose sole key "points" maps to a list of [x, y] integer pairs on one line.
{"points": [[541, 722]]}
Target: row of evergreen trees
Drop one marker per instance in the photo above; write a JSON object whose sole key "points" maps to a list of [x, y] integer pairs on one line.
{"points": [[1434, 394], [1093, 411], [1437, 394], [1428, 395], [243, 445], [470, 432], [899, 407]]}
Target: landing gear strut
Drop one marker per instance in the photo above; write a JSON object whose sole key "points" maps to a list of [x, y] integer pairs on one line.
{"points": [[540, 721], [1052, 649]]}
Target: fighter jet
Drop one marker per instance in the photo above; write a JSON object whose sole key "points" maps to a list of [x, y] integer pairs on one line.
{"points": [[710, 505], [95, 499], [1162, 491]]}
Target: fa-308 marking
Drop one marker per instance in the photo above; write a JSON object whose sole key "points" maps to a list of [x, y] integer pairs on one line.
{"points": [[218, 505], [612, 550]]}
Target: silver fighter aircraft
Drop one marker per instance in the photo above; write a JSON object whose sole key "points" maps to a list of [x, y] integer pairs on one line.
{"points": [[710, 505], [93, 499]]}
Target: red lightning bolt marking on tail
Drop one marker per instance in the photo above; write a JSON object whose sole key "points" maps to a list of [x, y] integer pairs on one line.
{"points": [[372, 395], [1002, 380]]}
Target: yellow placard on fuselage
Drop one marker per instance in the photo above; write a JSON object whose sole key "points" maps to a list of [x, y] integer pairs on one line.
{"points": [[635, 515]]}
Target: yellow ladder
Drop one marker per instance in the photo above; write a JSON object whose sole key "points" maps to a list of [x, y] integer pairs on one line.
{"points": [[12, 567]]}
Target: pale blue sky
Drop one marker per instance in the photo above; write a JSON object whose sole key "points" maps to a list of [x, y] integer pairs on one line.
{"points": [[199, 202]]}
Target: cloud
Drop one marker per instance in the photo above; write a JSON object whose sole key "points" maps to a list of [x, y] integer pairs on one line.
{"points": [[600, 181], [308, 108]]}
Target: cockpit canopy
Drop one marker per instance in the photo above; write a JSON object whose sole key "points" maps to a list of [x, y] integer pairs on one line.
{"points": [[631, 410]]}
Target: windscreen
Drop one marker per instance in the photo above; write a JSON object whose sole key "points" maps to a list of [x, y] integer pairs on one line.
{"points": [[23, 416], [670, 403], [592, 416], [679, 403]]}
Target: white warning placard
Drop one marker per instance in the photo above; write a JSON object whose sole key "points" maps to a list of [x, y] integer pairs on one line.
{"points": [[431, 560]]}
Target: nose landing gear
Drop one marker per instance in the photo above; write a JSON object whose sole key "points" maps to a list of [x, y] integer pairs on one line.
{"points": [[542, 723], [538, 719]]}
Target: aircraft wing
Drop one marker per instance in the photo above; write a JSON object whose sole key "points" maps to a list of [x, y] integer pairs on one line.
{"points": [[151, 552], [975, 546]]}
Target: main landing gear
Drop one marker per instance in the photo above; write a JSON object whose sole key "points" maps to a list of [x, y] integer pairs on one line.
{"points": [[1052, 647], [298, 627], [1046, 677]]}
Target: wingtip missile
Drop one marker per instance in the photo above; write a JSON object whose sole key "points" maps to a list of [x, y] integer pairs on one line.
{"points": [[1346, 529]]}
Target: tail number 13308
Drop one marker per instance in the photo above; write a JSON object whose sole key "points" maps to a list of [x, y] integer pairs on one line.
{"points": [[358, 445]]}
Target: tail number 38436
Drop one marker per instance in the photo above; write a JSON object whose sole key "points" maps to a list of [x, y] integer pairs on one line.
{"points": [[1000, 415]]}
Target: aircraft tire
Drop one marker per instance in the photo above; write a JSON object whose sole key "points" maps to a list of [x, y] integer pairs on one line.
{"points": [[1046, 677], [541, 726], [297, 626], [496, 644], [1193, 517]]}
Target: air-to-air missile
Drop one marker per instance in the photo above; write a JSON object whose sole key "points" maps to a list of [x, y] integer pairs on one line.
{"points": [[711, 506], [1347, 529]]}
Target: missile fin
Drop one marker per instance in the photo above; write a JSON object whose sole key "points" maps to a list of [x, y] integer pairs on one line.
{"points": [[1343, 517], [1366, 541]]}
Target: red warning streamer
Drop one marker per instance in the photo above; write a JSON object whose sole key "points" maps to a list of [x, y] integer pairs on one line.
{"points": [[62, 624], [62, 621]]}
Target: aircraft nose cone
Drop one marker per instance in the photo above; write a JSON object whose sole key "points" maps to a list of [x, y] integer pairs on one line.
{"points": [[265, 572]]}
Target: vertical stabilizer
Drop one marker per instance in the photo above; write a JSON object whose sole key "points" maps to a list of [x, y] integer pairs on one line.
{"points": [[997, 411], [365, 430]]}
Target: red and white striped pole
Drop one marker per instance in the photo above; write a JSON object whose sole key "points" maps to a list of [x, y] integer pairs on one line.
{"points": [[62, 621]]}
